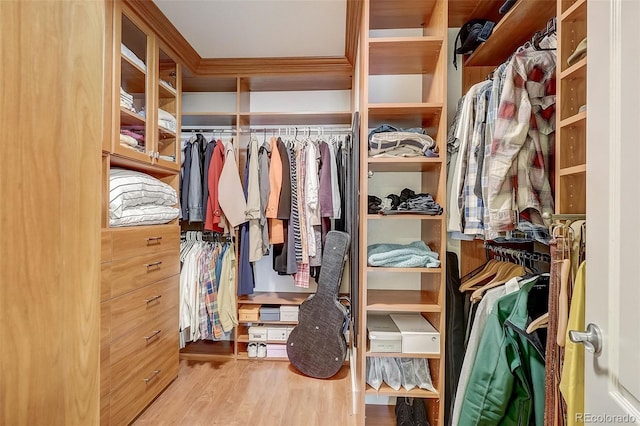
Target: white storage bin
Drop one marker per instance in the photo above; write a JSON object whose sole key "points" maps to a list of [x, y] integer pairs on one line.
{"points": [[289, 312], [418, 335], [257, 333], [384, 335], [277, 334]]}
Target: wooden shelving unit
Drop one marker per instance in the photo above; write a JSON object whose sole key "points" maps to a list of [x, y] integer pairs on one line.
{"points": [[421, 49], [571, 123], [516, 27]]}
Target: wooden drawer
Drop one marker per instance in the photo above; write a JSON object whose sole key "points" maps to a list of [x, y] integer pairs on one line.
{"points": [[133, 273], [143, 305], [143, 348], [105, 253], [143, 240], [132, 397]]}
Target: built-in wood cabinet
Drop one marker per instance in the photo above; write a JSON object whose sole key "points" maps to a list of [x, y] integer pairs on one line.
{"points": [[147, 82], [399, 41], [571, 112]]}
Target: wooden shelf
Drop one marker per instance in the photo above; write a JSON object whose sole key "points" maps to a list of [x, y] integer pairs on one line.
{"points": [[295, 118], [273, 299], [461, 11], [227, 119], [415, 393], [206, 350], [402, 301], [514, 29], [577, 12], [166, 132], [411, 164], [412, 270], [575, 71], [130, 118], [133, 77], [407, 216], [386, 14], [270, 322], [400, 355], [573, 170], [245, 356], [244, 338], [302, 82], [426, 115], [166, 91], [404, 55], [576, 120]]}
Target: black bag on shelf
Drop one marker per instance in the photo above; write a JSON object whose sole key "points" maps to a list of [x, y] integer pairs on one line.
{"points": [[471, 35]]}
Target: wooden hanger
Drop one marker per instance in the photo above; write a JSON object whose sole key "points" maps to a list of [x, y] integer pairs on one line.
{"points": [[541, 322], [506, 271], [489, 271]]}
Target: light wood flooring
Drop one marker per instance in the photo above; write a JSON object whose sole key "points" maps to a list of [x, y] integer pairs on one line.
{"points": [[256, 393]]}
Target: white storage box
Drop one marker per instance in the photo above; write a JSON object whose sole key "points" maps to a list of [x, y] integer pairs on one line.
{"points": [[276, 351], [277, 333], [289, 312], [418, 335], [258, 333], [289, 330], [384, 335]]}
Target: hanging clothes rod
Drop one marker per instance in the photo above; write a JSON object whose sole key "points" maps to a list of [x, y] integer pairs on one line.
{"points": [[518, 254], [300, 129], [206, 130]]}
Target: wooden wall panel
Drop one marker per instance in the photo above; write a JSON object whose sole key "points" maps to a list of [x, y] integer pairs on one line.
{"points": [[51, 137]]}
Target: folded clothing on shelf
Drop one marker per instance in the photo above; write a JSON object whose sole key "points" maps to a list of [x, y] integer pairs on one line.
{"points": [[407, 202], [132, 56], [390, 141], [414, 255]]}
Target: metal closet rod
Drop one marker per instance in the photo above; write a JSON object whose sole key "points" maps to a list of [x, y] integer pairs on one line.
{"points": [[301, 129]]}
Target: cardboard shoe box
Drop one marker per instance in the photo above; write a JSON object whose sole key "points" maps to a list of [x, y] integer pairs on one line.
{"points": [[249, 313], [418, 335], [276, 351], [384, 335], [289, 312], [277, 333], [269, 313], [258, 333]]}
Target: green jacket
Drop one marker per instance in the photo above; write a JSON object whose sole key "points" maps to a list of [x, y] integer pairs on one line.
{"points": [[506, 386]]}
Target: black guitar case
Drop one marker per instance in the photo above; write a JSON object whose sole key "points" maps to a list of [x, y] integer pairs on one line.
{"points": [[317, 347]]}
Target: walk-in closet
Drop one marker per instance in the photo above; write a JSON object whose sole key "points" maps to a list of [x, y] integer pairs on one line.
{"points": [[292, 213]]}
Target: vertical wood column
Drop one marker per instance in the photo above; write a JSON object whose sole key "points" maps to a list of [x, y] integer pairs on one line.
{"points": [[51, 137]]}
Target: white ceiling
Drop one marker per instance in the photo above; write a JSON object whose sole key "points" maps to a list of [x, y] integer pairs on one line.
{"points": [[260, 28]]}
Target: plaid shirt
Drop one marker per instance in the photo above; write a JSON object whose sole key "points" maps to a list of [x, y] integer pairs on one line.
{"points": [[522, 147], [212, 316], [473, 204]]}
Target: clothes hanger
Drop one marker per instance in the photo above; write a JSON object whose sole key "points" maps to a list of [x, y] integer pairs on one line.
{"points": [[506, 271], [540, 322], [489, 271]]}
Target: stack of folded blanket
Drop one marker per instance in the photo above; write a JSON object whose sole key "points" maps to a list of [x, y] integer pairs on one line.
{"points": [[389, 141], [414, 255]]}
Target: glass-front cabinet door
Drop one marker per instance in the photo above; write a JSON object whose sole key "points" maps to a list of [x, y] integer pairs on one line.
{"points": [[168, 101], [134, 75]]}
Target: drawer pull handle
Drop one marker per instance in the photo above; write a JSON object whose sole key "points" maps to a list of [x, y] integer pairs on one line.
{"points": [[153, 375], [153, 240], [154, 298], [150, 265], [152, 335]]}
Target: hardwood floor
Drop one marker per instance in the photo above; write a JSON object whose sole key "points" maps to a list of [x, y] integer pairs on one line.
{"points": [[267, 393]]}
